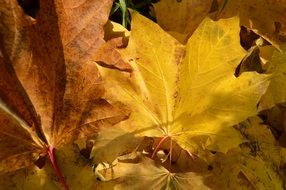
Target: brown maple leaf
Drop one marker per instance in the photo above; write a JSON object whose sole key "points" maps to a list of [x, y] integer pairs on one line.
{"points": [[50, 88]]}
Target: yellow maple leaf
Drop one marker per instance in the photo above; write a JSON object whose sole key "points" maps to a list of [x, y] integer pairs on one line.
{"points": [[276, 93], [186, 93]]}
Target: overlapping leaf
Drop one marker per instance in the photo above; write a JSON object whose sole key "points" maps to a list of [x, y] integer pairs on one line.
{"points": [[266, 17], [181, 18], [113, 142], [153, 176], [189, 94], [50, 89], [276, 93], [256, 165], [77, 172]]}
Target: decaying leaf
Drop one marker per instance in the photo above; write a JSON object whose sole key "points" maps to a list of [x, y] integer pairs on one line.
{"points": [[181, 18], [265, 17], [256, 165], [181, 115], [50, 88], [116, 36], [242, 171], [186, 93]]}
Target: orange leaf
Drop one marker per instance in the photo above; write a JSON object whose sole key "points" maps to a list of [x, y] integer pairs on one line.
{"points": [[50, 88]]}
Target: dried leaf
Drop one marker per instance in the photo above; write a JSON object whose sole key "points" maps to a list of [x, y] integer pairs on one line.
{"points": [[107, 55], [77, 170], [265, 17], [50, 88], [181, 18], [253, 166]]}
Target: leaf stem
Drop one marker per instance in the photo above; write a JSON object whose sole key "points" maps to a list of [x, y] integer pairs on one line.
{"points": [[191, 155], [159, 145], [171, 148], [56, 168]]}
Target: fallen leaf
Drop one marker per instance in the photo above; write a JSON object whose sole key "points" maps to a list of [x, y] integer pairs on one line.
{"points": [[276, 93], [262, 157], [274, 118], [116, 36], [188, 94], [153, 176], [242, 171], [181, 18], [255, 165], [50, 87], [265, 17], [112, 143], [77, 169]]}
